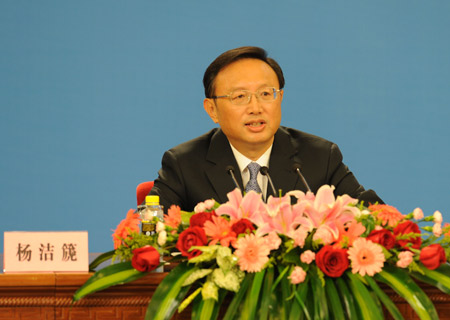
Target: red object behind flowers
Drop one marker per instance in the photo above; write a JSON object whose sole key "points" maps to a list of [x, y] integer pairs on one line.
{"points": [[333, 262], [432, 256], [383, 237], [145, 259], [405, 228], [192, 236]]}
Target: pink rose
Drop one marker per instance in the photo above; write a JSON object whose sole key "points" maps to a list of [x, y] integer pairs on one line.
{"points": [[300, 236], [298, 275], [145, 259], [324, 235], [404, 259], [437, 217], [437, 230], [307, 257], [273, 241], [418, 214]]}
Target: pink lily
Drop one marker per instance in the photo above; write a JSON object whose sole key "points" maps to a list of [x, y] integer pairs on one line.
{"points": [[238, 207]]}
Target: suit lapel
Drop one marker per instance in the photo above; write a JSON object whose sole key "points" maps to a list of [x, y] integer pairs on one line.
{"points": [[218, 158], [284, 154]]}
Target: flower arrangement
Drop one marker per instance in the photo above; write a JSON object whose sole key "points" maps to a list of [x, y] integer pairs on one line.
{"points": [[321, 257]]}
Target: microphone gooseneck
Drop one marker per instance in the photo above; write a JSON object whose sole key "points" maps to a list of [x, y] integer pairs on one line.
{"points": [[296, 168], [265, 172], [230, 171]]}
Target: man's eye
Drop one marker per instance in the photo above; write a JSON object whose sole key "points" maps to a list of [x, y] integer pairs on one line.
{"points": [[238, 96]]}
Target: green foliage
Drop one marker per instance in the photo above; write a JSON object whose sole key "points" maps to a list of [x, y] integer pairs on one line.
{"points": [[368, 221], [134, 241], [100, 259], [112, 275]]}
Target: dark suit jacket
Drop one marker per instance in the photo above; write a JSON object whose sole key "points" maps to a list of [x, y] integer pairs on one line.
{"points": [[196, 170]]}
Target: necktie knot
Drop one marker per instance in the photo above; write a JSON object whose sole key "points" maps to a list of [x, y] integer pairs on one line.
{"points": [[253, 169]]}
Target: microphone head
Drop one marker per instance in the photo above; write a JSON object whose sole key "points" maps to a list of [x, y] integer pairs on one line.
{"points": [[229, 169], [264, 170], [296, 166]]}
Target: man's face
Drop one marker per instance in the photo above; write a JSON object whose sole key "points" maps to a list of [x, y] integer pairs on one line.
{"points": [[250, 128]]}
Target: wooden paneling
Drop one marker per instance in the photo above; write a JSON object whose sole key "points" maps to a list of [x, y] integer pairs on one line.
{"points": [[49, 297]]}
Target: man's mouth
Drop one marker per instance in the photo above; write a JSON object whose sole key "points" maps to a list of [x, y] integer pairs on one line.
{"points": [[255, 124]]}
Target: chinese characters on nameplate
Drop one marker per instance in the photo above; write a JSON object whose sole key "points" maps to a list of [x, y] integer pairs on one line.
{"points": [[52, 251]]}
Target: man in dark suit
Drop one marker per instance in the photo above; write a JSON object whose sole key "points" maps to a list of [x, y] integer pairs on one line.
{"points": [[244, 91]]}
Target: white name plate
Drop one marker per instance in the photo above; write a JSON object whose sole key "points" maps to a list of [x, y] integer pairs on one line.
{"points": [[51, 251]]}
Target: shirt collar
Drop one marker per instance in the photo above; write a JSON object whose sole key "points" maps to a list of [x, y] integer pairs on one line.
{"points": [[243, 161]]}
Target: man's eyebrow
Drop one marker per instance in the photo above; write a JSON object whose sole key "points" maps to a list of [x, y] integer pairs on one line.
{"points": [[244, 88]]}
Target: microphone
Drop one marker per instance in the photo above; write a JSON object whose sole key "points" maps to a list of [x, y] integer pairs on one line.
{"points": [[230, 171], [265, 172], [296, 168]]}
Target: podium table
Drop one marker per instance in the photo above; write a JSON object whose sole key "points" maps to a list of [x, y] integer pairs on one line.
{"points": [[49, 296]]}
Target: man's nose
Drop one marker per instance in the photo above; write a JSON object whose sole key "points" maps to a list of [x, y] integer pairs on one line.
{"points": [[255, 104]]}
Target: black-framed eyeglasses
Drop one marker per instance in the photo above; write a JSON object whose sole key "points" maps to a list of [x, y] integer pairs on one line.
{"points": [[243, 97]]}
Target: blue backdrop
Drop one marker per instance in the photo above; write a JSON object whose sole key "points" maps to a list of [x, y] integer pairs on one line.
{"points": [[93, 93]]}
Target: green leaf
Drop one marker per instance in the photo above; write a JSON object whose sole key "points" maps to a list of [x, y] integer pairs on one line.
{"points": [[266, 300], [234, 305], [210, 290], [363, 298], [252, 299], [197, 274], [280, 276], [347, 299], [230, 280], [387, 302], [208, 309], [320, 299], [112, 275], [440, 277], [402, 283], [204, 309], [169, 293], [292, 257], [189, 299], [334, 300], [100, 259], [284, 304], [300, 297], [208, 253], [225, 258]]}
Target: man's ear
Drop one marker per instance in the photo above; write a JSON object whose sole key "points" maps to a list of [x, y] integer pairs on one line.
{"points": [[210, 108]]}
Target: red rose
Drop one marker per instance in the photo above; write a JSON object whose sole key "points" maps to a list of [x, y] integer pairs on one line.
{"points": [[383, 237], [333, 262], [192, 236], [405, 228], [242, 226], [199, 219], [432, 256], [145, 259]]}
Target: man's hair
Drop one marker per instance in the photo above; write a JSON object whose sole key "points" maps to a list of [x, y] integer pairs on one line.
{"points": [[234, 55]]}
